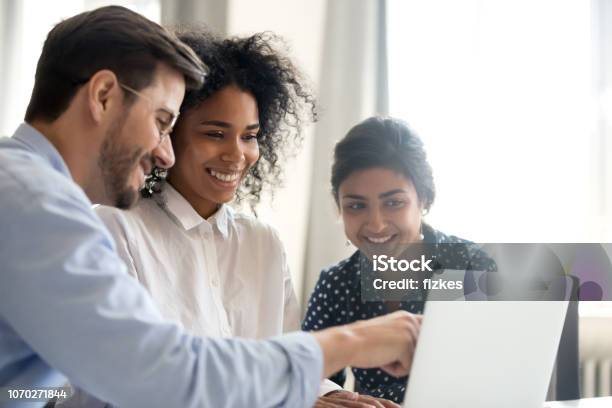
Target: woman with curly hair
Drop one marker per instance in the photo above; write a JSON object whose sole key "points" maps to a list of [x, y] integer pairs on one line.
{"points": [[217, 271], [214, 270]]}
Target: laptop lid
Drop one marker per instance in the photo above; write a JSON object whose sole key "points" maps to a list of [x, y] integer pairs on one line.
{"points": [[485, 354]]}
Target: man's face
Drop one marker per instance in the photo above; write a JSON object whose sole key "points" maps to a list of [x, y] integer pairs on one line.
{"points": [[132, 145]]}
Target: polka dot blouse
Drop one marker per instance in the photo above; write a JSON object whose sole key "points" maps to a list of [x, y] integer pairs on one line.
{"points": [[336, 300]]}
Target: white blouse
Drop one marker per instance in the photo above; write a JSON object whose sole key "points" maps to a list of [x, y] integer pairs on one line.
{"points": [[222, 276]]}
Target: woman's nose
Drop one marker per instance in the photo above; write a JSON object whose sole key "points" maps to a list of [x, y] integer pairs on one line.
{"points": [[376, 221], [233, 151]]}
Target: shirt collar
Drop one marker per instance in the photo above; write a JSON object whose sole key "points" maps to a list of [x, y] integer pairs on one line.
{"points": [[222, 218], [38, 143], [180, 209]]}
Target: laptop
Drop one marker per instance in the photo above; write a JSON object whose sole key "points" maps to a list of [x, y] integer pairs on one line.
{"points": [[485, 354]]}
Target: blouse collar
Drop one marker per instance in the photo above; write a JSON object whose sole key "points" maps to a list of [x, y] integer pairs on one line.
{"points": [[184, 214]]}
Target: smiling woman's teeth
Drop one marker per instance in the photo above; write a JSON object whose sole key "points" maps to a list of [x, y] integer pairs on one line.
{"points": [[225, 177], [380, 240]]}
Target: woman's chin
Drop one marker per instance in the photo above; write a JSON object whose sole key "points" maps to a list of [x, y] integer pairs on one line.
{"points": [[221, 199], [373, 249]]}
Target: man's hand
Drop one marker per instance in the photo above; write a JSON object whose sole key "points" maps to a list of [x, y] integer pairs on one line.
{"points": [[391, 337], [387, 342], [347, 399]]}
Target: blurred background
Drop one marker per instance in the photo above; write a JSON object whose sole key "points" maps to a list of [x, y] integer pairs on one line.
{"points": [[513, 100]]}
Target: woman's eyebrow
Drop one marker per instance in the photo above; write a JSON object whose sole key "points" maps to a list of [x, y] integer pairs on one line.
{"points": [[391, 192], [220, 123], [354, 196], [217, 123]]}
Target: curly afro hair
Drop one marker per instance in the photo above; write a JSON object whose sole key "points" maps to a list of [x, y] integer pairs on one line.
{"points": [[256, 64]]}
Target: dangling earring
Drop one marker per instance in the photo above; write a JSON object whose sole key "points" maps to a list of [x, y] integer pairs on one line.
{"points": [[348, 243], [421, 236], [154, 181]]}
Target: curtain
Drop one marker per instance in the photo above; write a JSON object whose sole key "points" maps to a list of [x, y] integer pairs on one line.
{"points": [[11, 12], [353, 86], [212, 13]]}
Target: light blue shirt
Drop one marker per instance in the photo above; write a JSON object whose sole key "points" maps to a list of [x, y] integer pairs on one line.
{"points": [[69, 310]]}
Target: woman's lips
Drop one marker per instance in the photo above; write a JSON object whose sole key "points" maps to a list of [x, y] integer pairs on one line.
{"points": [[225, 178], [382, 239]]}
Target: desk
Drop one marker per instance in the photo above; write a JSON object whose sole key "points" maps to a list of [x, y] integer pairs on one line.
{"points": [[582, 403]]}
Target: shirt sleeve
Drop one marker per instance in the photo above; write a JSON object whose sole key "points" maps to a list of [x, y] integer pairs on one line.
{"points": [[291, 321], [321, 315], [291, 311], [65, 292], [328, 386]]}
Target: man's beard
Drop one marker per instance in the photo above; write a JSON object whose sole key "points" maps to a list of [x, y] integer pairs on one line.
{"points": [[117, 162]]}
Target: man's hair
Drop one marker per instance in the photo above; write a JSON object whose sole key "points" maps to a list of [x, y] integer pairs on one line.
{"points": [[112, 38]]}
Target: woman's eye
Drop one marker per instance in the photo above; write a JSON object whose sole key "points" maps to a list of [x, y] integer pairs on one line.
{"points": [[250, 137], [216, 135], [394, 203], [354, 206]]}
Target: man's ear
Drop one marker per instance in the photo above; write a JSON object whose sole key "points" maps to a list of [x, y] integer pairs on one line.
{"points": [[102, 91]]}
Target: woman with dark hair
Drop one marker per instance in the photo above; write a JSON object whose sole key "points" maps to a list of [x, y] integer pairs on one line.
{"points": [[383, 185]]}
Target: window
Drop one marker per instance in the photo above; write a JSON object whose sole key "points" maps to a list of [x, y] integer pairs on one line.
{"points": [[500, 92], [25, 27], [511, 101]]}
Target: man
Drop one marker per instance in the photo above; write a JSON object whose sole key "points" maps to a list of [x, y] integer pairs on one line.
{"points": [[108, 87]]}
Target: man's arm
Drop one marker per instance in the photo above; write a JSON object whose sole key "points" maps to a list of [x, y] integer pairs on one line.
{"points": [[64, 292]]}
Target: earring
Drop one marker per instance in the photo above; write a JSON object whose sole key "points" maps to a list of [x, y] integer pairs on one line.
{"points": [[348, 243], [421, 236], [154, 181]]}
